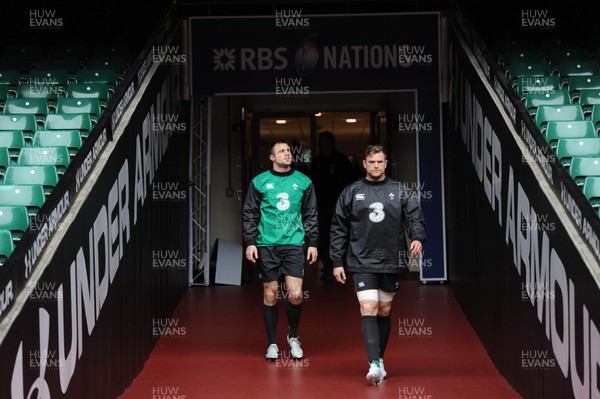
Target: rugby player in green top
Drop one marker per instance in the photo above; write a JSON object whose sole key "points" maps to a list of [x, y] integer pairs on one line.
{"points": [[279, 218]]}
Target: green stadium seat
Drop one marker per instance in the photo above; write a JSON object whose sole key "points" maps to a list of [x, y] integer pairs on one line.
{"points": [[107, 76], [41, 156], [587, 99], [70, 65], [591, 190], [556, 130], [118, 64], [527, 69], [58, 77], [567, 149], [10, 77], [536, 84], [4, 93], [13, 141], [576, 83], [26, 123], [59, 157], [556, 97], [46, 175], [14, 219], [49, 92], [90, 90], [81, 122], [59, 138], [582, 167], [7, 246], [557, 56], [595, 117], [567, 69], [512, 56], [546, 113], [80, 106], [5, 160], [30, 196], [26, 106], [37, 106]]}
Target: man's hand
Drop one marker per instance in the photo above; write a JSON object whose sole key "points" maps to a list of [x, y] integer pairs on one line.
{"points": [[312, 254], [252, 253], [340, 274], [415, 248]]}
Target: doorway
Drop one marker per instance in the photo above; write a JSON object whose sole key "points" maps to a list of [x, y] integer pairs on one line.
{"points": [[354, 130]]}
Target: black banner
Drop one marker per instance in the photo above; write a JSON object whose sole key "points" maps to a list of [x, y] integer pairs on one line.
{"points": [[294, 54], [516, 270]]}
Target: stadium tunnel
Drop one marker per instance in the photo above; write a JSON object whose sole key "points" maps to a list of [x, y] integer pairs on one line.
{"points": [[180, 124]]}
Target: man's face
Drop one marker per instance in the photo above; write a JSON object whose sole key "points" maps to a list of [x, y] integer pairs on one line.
{"points": [[375, 165], [282, 155]]}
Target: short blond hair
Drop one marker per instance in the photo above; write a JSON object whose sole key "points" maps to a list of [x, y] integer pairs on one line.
{"points": [[374, 149]]}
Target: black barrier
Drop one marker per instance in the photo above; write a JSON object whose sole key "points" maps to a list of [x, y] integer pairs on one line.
{"points": [[517, 273], [109, 290]]}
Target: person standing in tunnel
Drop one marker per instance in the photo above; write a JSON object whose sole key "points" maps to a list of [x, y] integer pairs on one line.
{"points": [[372, 218], [279, 217], [330, 172]]}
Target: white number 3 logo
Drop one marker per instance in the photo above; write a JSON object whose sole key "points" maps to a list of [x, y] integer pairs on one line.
{"points": [[377, 215], [284, 201]]}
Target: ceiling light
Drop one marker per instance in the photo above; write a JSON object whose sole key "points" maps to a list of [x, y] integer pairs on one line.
{"points": [[351, 120], [318, 114], [281, 121]]}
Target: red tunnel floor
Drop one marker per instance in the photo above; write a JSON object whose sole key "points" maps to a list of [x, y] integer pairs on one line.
{"points": [[433, 352]]}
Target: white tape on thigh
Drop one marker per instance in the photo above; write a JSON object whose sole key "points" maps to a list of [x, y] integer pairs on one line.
{"points": [[367, 295], [386, 296]]}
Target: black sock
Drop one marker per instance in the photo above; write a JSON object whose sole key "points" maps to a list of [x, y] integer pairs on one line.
{"points": [[293, 315], [371, 336], [270, 317], [384, 323]]}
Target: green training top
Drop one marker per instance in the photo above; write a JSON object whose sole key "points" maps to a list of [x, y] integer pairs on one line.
{"points": [[285, 200]]}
